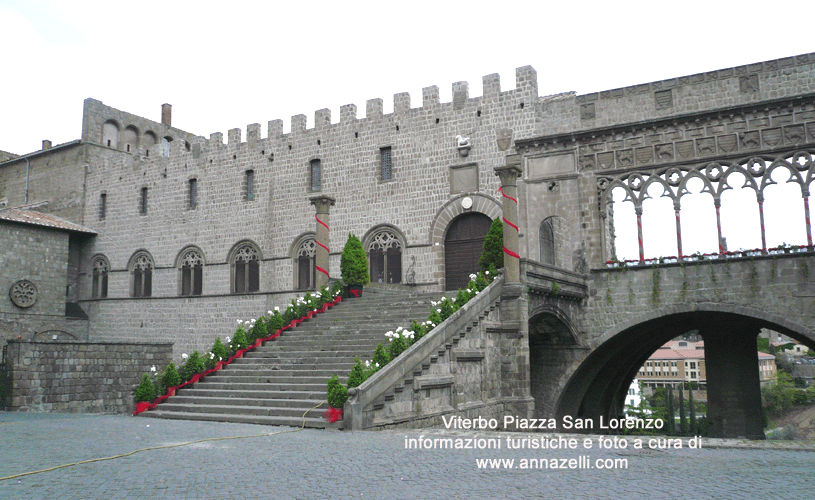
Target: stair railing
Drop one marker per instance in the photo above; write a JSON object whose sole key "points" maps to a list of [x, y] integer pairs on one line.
{"points": [[392, 374]]}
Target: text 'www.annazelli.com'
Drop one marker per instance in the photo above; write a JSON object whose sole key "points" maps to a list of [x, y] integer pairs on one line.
{"points": [[581, 462]]}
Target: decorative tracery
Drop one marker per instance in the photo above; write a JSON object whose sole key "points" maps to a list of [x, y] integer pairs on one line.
{"points": [[142, 273], [384, 249], [99, 285], [716, 179], [304, 261], [191, 264], [246, 269]]}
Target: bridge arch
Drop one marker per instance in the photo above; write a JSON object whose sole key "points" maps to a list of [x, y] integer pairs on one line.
{"points": [[598, 385]]}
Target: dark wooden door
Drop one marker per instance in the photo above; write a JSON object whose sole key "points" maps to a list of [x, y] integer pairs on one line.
{"points": [[462, 248]]}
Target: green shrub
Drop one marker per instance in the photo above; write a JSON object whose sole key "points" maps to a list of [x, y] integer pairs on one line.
{"points": [[219, 350], [170, 377], [397, 345], [492, 253], [337, 393], [145, 391], [239, 340], [259, 331], [381, 357], [448, 307], [357, 374], [195, 364], [353, 263], [275, 322], [418, 331]]}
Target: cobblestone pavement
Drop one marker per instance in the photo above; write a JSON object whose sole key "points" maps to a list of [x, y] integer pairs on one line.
{"points": [[314, 464]]}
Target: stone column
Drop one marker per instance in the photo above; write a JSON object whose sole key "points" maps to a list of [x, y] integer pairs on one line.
{"points": [[733, 386], [323, 203], [509, 174]]}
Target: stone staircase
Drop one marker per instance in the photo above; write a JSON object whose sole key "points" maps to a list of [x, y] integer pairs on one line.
{"points": [[285, 378]]}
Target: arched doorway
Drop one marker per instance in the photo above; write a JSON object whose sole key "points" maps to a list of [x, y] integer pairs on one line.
{"points": [[462, 248], [552, 345]]}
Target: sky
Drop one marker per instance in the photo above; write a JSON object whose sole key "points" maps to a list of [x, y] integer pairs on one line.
{"points": [[225, 65]]}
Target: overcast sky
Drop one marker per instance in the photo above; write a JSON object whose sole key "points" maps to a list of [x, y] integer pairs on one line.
{"points": [[224, 65], [228, 64]]}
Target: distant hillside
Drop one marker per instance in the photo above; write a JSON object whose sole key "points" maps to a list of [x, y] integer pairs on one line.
{"points": [[796, 423]]}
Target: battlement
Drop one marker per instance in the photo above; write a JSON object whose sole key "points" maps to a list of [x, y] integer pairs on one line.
{"points": [[526, 91]]}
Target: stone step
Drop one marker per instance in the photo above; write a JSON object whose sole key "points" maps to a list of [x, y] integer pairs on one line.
{"points": [[233, 409], [311, 422], [254, 379], [261, 363], [280, 381], [253, 394], [284, 387], [293, 404], [286, 371]]}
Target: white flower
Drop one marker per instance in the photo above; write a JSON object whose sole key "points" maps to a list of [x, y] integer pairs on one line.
{"points": [[184, 356], [399, 329], [277, 309], [269, 313], [473, 276], [240, 321], [153, 368], [228, 339], [486, 273], [377, 365], [438, 310], [452, 299]]}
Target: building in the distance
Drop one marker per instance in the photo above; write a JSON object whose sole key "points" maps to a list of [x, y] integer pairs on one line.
{"points": [[682, 361]]}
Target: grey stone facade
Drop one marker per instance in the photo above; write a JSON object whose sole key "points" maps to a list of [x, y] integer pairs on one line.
{"points": [[163, 199]]}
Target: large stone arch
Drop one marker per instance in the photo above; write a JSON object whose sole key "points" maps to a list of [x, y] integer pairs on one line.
{"points": [[454, 208], [596, 384]]}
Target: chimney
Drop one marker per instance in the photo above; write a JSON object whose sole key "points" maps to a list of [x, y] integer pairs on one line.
{"points": [[166, 114], [46, 144]]}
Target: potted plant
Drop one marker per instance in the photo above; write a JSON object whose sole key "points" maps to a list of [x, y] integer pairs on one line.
{"points": [[354, 267]]}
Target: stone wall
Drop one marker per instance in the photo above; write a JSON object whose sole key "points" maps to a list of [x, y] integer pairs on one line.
{"points": [[80, 376], [40, 256], [56, 179]]}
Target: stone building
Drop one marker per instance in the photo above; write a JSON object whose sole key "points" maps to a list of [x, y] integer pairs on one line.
{"points": [[681, 361], [174, 236]]}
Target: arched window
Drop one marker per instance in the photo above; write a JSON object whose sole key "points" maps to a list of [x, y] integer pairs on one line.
{"points": [[141, 272], [131, 139], [191, 265], [547, 241], [110, 134], [100, 269], [245, 269], [304, 264], [384, 250]]}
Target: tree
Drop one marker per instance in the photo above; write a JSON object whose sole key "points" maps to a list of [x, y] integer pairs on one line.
{"points": [[692, 427], [353, 263], [671, 421], [493, 251], [683, 424]]}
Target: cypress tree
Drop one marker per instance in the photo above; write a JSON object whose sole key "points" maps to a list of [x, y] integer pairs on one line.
{"points": [[493, 250], [671, 422], [692, 427], [353, 263], [683, 424]]}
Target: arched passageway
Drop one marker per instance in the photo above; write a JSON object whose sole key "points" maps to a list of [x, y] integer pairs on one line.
{"points": [[462, 248], [598, 386]]}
